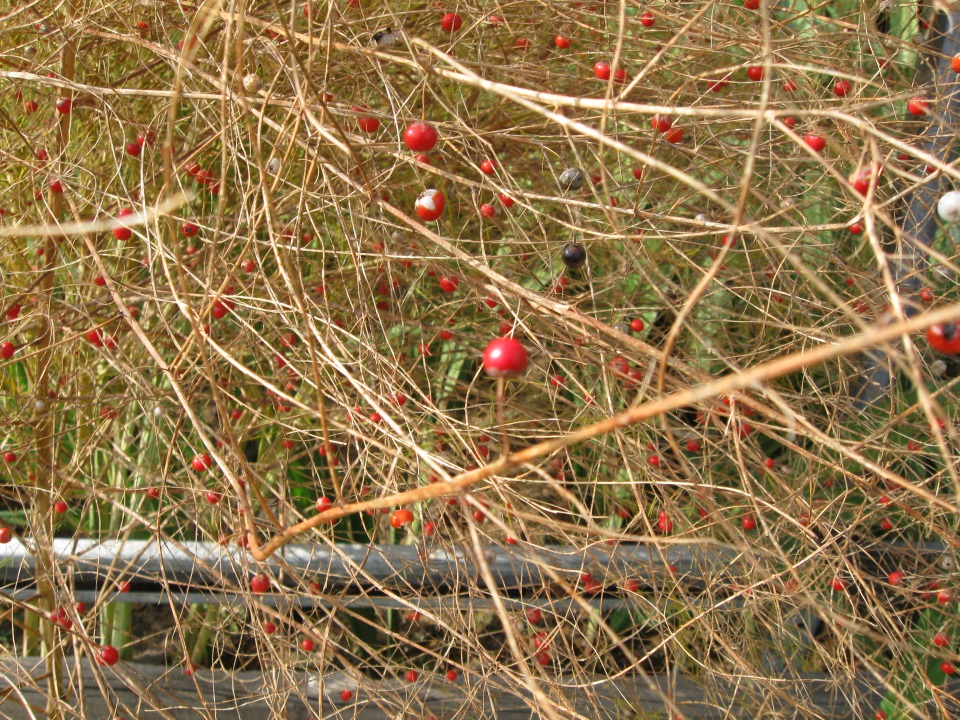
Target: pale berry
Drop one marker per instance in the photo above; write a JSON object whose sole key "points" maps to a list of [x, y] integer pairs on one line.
{"points": [[430, 204]]}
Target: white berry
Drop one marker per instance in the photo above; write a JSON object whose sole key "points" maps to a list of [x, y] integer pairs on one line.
{"points": [[252, 83], [949, 207], [273, 165]]}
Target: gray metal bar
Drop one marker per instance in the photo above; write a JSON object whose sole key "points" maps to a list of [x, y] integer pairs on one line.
{"points": [[920, 222]]}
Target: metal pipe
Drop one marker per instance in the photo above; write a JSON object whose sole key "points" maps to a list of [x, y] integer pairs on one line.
{"points": [[920, 224]]}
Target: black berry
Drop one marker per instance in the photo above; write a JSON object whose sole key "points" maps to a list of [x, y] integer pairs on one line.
{"points": [[574, 255]]}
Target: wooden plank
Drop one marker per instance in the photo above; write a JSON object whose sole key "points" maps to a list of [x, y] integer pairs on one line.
{"points": [[252, 696]]}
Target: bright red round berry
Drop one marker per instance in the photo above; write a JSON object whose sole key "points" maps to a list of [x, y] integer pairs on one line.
{"points": [[259, 584], [505, 357], [815, 142], [420, 137], [108, 655], [918, 106], [451, 22], [400, 518]]}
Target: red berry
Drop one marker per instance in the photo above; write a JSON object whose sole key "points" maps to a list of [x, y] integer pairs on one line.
{"points": [[755, 73], [451, 675], [944, 338], [202, 462], [489, 211], [838, 585], [947, 668], [647, 19], [488, 167], [412, 676], [133, 149], [664, 523], [673, 135], [56, 186], [507, 201], [449, 284], [108, 655], [534, 616], [855, 228], [926, 295], [941, 640], [602, 70], [768, 463], [420, 137], [7, 349], [429, 205], [944, 597], [789, 86], [189, 229], [259, 584], [561, 41], [6, 535], [366, 123], [307, 645], [64, 105], [661, 123], [751, 4], [815, 142], [918, 106], [212, 497], [451, 22], [400, 518], [896, 577], [749, 523], [693, 445], [637, 325], [842, 88], [123, 232], [60, 507], [504, 357], [346, 695]]}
